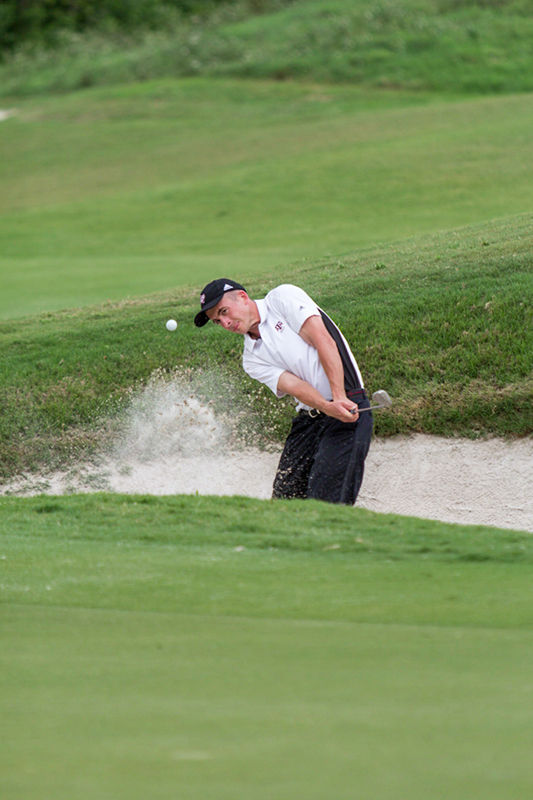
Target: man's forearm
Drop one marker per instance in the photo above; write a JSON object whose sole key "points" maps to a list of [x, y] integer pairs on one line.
{"points": [[332, 364], [314, 332], [289, 383], [342, 410]]}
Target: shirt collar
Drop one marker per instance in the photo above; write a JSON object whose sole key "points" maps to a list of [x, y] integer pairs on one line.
{"points": [[250, 343]]}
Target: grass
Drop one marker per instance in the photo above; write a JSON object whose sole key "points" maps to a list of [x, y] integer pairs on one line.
{"points": [[224, 647], [442, 322], [435, 45], [230, 647], [117, 192], [411, 44]]}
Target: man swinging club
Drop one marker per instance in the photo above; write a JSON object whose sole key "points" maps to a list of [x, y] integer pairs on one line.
{"points": [[294, 348]]}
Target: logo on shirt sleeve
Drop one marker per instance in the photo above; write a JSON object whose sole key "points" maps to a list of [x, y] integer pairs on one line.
{"points": [[279, 326]]}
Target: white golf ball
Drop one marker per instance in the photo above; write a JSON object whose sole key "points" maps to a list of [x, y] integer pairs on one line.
{"points": [[171, 325]]}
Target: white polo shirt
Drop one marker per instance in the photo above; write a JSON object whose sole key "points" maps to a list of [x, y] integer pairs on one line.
{"points": [[280, 348]]}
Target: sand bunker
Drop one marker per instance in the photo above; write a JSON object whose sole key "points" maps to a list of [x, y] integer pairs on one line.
{"points": [[488, 482], [175, 444]]}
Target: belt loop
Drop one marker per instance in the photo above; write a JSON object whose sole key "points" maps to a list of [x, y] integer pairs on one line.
{"points": [[357, 392]]}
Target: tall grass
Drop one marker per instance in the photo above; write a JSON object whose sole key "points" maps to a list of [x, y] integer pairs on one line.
{"points": [[473, 47]]}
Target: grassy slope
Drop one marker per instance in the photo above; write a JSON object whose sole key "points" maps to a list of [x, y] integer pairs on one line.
{"points": [[442, 45], [118, 192], [405, 44], [283, 649], [442, 322]]}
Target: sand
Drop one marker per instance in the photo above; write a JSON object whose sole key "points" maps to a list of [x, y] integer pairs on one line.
{"points": [[452, 480], [175, 444], [487, 482]]}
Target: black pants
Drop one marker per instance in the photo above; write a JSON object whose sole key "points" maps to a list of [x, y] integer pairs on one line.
{"points": [[324, 458]]}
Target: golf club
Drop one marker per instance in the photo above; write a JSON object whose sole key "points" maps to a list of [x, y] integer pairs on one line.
{"points": [[381, 398]]}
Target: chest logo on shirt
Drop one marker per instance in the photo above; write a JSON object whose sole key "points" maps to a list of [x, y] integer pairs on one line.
{"points": [[279, 326]]}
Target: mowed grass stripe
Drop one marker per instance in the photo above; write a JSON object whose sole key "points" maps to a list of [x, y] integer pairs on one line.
{"points": [[241, 557], [228, 647], [163, 194], [231, 707], [180, 616]]}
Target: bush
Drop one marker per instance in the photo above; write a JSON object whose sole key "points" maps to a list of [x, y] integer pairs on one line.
{"points": [[40, 20]]}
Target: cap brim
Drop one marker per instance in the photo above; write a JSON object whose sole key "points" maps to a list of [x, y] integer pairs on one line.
{"points": [[201, 319]]}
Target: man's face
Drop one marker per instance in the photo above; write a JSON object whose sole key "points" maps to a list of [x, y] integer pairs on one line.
{"points": [[234, 312]]}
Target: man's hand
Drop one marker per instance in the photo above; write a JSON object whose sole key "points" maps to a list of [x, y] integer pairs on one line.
{"points": [[340, 408], [343, 410]]}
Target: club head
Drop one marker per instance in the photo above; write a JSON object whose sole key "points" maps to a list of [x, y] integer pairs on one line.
{"points": [[382, 399]]}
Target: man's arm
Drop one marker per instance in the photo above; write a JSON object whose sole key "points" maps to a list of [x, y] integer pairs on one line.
{"points": [[289, 383], [314, 332]]}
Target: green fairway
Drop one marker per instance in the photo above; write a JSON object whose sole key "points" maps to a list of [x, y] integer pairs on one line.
{"points": [[224, 648], [121, 191], [168, 705]]}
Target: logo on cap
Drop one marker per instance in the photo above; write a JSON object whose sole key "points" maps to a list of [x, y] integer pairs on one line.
{"points": [[202, 299], [227, 286]]}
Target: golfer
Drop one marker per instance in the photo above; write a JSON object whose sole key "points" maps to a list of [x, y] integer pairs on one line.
{"points": [[294, 348]]}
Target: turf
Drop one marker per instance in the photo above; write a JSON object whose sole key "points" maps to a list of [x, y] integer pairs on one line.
{"points": [[222, 647], [471, 46], [116, 192], [282, 649], [417, 44], [442, 322]]}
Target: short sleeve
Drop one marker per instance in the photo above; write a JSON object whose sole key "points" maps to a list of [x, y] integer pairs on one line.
{"points": [[261, 371], [292, 304]]}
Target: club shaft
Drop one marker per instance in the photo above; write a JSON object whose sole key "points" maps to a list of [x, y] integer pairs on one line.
{"points": [[370, 408]]}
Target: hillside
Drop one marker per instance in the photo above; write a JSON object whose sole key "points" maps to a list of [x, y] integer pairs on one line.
{"points": [[441, 322], [438, 45], [121, 191]]}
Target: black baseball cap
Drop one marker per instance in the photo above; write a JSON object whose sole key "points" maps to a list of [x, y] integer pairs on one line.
{"points": [[213, 294]]}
